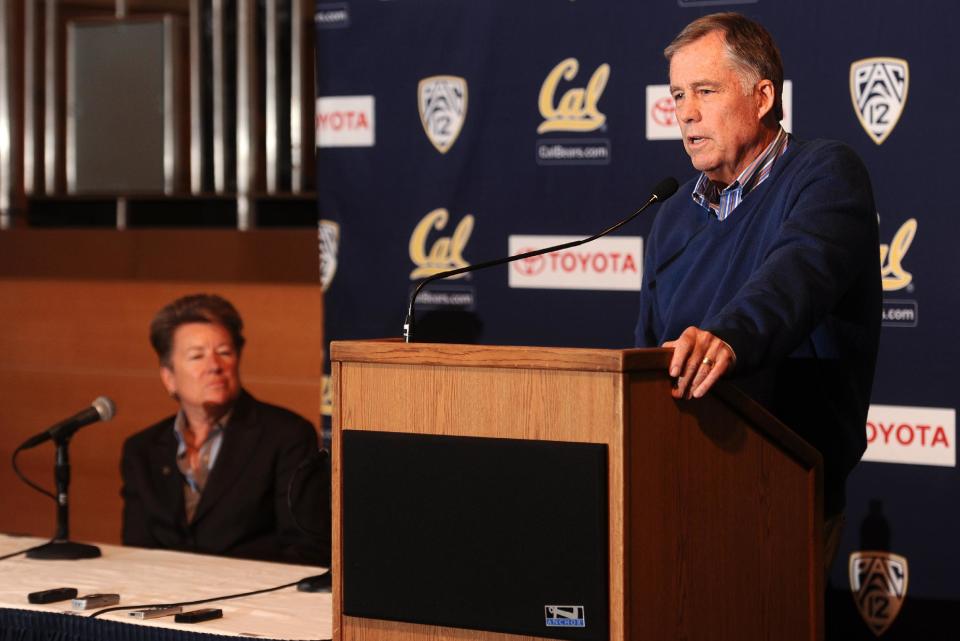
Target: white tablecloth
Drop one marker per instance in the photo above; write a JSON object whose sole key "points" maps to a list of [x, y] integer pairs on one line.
{"points": [[157, 576]]}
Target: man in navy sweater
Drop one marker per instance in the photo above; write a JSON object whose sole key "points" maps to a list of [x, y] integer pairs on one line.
{"points": [[765, 268]]}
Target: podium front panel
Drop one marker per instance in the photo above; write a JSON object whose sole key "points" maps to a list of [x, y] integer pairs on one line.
{"points": [[496, 534]]}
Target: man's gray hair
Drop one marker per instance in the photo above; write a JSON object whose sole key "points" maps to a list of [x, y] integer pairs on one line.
{"points": [[749, 46]]}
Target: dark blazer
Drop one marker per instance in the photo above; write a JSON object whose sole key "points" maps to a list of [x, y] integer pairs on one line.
{"points": [[243, 511]]}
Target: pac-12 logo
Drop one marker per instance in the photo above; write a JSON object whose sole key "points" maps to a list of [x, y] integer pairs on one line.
{"points": [[576, 109], [328, 232], [442, 101], [446, 252], [878, 88], [326, 396], [878, 581]]}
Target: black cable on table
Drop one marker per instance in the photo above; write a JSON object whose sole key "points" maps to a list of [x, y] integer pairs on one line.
{"points": [[12, 554], [197, 602]]}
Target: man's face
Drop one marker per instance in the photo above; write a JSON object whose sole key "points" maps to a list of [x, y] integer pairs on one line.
{"points": [[204, 367], [721, 126]]}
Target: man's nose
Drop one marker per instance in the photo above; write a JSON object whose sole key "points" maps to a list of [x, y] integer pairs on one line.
{"points": [[688, 111]]}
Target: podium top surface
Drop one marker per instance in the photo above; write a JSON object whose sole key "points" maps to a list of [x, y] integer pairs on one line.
{"points": [[654, 360], [396, 352]]}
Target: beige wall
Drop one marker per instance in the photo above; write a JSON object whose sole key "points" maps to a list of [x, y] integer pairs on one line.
{"points": [[74, 311]]}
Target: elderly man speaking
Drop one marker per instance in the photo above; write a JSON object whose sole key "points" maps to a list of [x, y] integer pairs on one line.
{"points": [[764, 268]]}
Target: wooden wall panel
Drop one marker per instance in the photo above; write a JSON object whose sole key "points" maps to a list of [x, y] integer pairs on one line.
{"points": [[64, 340]]}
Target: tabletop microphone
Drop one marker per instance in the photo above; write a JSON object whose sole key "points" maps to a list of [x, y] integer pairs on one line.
{"points": [[102, 409], [664, 189]]}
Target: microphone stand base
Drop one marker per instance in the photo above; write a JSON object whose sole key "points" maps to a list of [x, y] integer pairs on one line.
{"points": [[64, 550]]}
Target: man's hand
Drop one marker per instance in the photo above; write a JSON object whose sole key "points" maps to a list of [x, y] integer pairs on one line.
{"points": [[699, 359]]}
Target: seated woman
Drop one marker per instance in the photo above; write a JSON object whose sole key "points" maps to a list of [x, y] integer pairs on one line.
{"points": [[214, 477]]}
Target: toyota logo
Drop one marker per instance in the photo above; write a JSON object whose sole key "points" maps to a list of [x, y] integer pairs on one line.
{"points": [[529, 266], [664, 112]]}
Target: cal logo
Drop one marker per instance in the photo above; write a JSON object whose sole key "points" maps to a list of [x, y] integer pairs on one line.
{"points": [[576, 109], [894, 276], [445, 252], [878, 88], [326, 396], [442, 101], [329, 237], [878, 581]]}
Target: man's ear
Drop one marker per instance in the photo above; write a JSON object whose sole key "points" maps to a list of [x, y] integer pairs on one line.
{"points": [[766, 96], [168, 379]]}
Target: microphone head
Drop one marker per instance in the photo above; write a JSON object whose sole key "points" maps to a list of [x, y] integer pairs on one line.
{"points": [[665, 188], [105, 408]]}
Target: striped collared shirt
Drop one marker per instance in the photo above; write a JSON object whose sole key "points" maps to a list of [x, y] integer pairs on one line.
{"points": [[723, 202]]}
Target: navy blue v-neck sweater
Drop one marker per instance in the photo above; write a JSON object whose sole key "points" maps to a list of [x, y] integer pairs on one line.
{"points": [[791, 280]]}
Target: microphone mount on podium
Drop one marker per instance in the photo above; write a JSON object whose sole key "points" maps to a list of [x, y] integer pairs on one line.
{"points": [[664, 189]]}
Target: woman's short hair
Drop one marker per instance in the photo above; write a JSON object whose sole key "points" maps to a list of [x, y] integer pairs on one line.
{"points": [[195, 308]]}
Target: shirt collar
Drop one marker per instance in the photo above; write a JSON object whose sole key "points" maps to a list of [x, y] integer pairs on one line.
{"points": [[723, 201], [180, 424]]}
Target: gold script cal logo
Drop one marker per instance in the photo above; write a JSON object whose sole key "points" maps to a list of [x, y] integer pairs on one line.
{"points": [[442, 101], [446, 252], [894, 276], [576, 109], [878, 581], [878, 88]]}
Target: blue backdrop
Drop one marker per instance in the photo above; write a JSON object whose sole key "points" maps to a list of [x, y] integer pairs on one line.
{"points": [[450, 132]]}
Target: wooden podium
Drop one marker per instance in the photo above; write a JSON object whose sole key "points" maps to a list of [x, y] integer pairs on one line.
{"points": [[714, 526]]}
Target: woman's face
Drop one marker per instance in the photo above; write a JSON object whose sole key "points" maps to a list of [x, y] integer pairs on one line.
{"points": [[204, 370]]}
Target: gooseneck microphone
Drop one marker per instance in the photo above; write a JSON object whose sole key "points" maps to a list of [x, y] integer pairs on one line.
{"points": [[664, 189], [102, 409]]}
